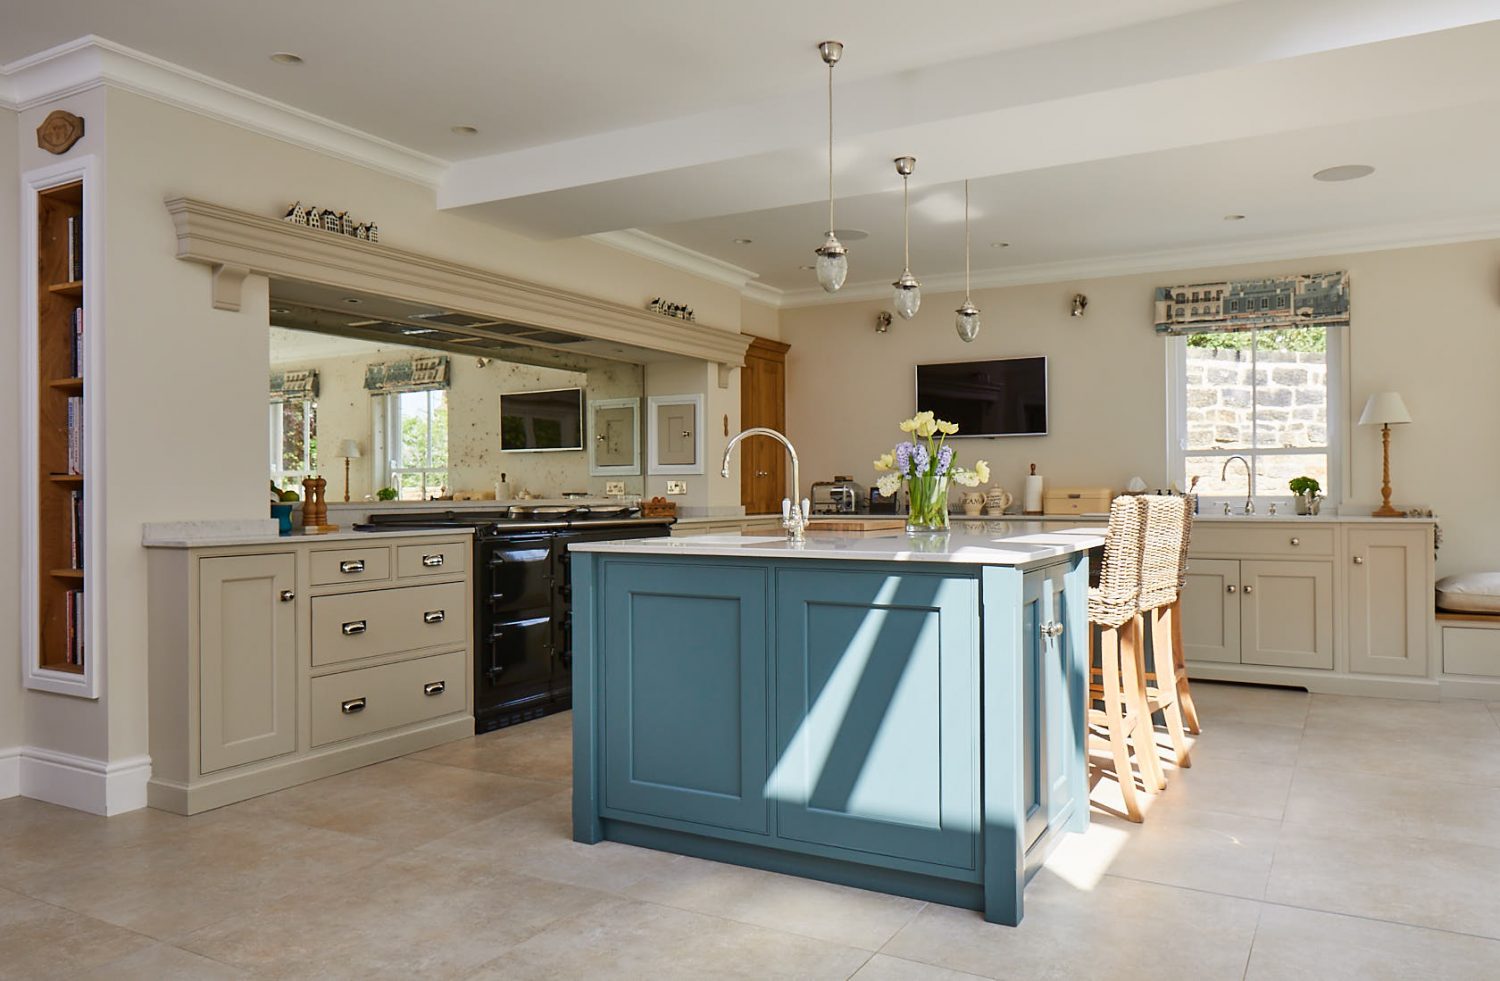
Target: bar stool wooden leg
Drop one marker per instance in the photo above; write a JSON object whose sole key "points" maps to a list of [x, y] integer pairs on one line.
{"points": [[1115, 719], [1179, 661], [1167, 687], [1133, 682]]}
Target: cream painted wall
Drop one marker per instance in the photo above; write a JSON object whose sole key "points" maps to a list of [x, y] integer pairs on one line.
{"points": [[760, 319], [185, 384], [1424, 324], [344, 412], [10, 489]]}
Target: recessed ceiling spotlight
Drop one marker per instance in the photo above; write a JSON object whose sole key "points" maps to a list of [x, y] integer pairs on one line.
{"points": [[743, 241], [353, 300], [850, 234], [286, 58], [464, 130], [807, 268], [999, 245], [1234, 217], [281, 310], [1344, 172]]}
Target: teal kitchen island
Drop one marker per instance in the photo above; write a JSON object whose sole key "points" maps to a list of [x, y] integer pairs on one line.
{"points": [[903, 714]]}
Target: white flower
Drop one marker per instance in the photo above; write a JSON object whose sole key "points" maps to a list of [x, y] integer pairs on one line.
{"points": [[966, 477], [889, 484]]}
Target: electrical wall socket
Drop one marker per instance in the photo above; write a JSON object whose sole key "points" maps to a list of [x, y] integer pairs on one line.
{"points": [[614, 488], [676, 487]]}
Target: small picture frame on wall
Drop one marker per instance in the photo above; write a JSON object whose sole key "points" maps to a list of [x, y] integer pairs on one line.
{"points": [[674, 434], [615, 437]]}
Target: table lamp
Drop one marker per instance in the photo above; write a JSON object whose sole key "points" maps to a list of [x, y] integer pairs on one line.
{"points": [[1385, 409], [349, 450]]}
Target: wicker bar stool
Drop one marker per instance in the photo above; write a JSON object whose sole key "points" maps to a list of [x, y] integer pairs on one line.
{"points": [[1172, 613], [1117, 687], [1161, 569]]}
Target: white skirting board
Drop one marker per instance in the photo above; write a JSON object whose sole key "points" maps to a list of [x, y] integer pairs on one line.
{"points": [[10, 772], [83, 784]]}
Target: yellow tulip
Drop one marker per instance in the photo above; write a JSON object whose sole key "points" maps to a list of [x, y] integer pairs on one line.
{"points": [[982, 470], [946, 428], [886, 462]]}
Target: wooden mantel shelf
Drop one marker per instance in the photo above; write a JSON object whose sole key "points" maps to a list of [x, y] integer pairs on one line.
{"points": [[236, 244]]}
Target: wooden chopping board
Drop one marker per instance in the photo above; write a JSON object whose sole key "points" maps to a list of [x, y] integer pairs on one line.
{"points": [[846, 525]]}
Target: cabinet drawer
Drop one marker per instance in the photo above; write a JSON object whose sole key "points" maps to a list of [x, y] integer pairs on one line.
{"points": [[1471, 650], [1290, 541], [420, 561], [339, 565], [350, 626], [354, 703]]}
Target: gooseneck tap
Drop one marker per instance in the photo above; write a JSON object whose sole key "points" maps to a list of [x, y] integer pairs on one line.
{"points": [[1249, 501], [793, 517]]}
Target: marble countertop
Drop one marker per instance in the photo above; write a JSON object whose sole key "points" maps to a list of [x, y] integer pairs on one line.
{"points": [[211, 534], [1018, 546]]}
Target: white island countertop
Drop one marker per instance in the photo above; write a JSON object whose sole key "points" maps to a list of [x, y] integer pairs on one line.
{"points": [[254, 531], [1017, 546]]}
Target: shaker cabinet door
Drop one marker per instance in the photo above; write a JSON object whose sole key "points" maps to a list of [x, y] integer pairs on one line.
{"points": [[877, 702], [685, 718], [1390, 600], [1286, 610], [1211, 611], [247, 686]]}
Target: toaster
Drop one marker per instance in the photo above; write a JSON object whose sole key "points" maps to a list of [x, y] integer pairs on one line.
{"points": [[841, 495]]}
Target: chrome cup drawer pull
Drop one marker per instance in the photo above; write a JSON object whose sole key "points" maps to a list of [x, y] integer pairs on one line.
{"points": [[350, 567], [434, 687], [352, 706], [355, 627], [434, 616], [432, 561]]}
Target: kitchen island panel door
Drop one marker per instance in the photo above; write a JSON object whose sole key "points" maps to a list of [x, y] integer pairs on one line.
{"points": [[685, 692], [876, 714]]}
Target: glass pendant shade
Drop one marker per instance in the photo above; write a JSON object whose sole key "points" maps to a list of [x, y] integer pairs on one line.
{"points": [[967, 322], [833, 264], [908, 295]]}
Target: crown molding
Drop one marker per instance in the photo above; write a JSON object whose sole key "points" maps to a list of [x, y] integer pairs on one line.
{"points": [[1408, 236], [657, 249], [91, 61]]}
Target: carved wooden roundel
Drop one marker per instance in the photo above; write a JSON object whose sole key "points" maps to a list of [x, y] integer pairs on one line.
{"points": [[59, 131]]}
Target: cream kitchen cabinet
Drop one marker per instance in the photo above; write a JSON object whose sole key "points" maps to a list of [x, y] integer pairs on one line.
{"points": [[274, 662], [1390, 599], [1336, 604], [1275, 612]]}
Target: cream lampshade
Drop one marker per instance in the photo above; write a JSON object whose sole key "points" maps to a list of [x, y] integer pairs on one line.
{"points": [[348, 450], [1385, 409]]}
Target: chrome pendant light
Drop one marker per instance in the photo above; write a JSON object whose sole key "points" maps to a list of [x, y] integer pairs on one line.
{"points": [[967, 321], [833, 258], [908, 294]]}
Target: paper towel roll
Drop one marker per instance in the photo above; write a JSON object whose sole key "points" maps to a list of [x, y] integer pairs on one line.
{"points": [[1032, 499]]}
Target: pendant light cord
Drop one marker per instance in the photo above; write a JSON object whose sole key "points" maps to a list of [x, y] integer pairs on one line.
{"points": [[905, 223], [830, 149], [966, 241]]}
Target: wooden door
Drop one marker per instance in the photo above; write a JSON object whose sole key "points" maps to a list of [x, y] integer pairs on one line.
{"points": [[247, 686], [877, 707], [1211, 611], [1286, 613], [1389, 600], [763, 403]]}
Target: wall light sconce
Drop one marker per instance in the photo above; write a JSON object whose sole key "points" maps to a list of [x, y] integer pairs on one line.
{"points": [[483, 362], [883, 322], [1080, 304]]}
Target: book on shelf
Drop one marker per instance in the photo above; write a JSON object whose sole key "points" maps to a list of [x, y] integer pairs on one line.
{"points": [[75, 434], [75, 248], [75, 543], [75, 606], [77, 361]]}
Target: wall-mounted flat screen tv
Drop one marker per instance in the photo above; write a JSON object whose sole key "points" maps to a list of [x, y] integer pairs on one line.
{"points": [[541, 421], [1005, 397]]}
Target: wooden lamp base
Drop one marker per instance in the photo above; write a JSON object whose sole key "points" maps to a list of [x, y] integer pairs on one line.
{"points": [[1385, 510]]}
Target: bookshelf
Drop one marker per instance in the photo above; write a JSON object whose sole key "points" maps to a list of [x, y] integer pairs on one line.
{"points": [[61, 368]]}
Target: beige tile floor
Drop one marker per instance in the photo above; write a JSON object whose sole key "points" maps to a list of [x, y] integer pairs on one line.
{"points": [[1314, 837]]}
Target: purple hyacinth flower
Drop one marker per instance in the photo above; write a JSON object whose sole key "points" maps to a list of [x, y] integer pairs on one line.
{"points": [[945, 460], [903, 457], [921, 459]]}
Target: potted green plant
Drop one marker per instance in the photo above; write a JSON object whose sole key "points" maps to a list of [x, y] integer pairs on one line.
{"points": [[386, 493], [1306, 494]]}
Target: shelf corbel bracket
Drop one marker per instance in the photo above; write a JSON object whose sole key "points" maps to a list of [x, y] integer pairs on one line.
{"points": [[726, 371], [228, 283]]}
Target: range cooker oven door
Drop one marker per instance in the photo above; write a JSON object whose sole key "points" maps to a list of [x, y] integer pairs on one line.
{"points": [[514, 642]]}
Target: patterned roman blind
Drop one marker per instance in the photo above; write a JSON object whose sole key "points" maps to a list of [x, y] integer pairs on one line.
{"points": [[1320, 299], [419, 374], [291, 386]]}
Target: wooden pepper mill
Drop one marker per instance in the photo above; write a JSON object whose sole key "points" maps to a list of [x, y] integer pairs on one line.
{"points": [[315, 508]]}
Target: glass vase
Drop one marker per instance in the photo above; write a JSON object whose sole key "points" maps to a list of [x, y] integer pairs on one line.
{"points": [[927, 504]]}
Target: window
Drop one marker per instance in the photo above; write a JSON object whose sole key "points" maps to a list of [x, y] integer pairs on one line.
{"points": [[416, 441], [1264, 395], [294, 442]]}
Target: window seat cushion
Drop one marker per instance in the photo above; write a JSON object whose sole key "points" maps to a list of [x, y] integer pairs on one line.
{"points": [[1471, 592]]}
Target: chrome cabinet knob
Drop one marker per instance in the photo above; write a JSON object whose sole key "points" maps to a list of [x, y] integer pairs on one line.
{"points": [[1296, 542], [1232, 589], [288, 595], [1052, 630], [1249, 590], [1359, 560]]}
